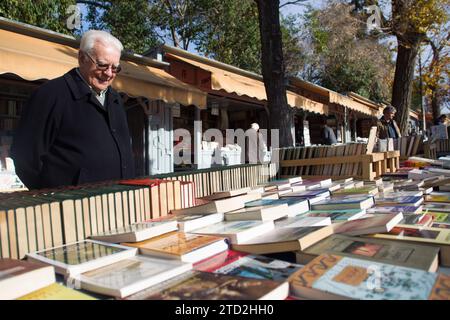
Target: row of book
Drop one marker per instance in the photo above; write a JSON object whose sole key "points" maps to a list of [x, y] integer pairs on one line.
{"points": [[35, 220], [312, 152], [383, 239]]}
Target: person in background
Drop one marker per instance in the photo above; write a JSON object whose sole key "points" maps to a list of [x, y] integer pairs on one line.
{"points": [[442, 119], [328, 136], [74, 128], [386, 125]]}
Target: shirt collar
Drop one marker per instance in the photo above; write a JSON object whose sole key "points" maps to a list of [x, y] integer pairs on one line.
{"points": [[102, 93]]}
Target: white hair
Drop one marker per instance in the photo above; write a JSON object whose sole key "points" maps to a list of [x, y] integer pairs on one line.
{"points": [[90, 37]]}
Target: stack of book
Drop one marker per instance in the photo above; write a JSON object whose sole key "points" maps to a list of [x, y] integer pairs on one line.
{"points": [[317, 239]]}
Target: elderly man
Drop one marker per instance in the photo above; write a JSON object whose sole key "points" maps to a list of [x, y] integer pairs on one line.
{"points": [[387, 127], [74, 128]]}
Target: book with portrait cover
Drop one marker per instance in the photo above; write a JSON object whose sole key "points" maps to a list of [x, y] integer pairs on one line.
{"points": [[284, 240], [137, 232], [18, 277], [241, 264], [331, 276], [197, 285], [187, 247], [78, 257], [422, 235], [128, 276], [385, 251]]}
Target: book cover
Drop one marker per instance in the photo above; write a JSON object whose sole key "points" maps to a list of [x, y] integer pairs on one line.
{"points": [[384, 251], [175, 243], [137, 232], [302, 221], [82, 256], [263, 213], [437, 207], [380, 223], [366, 190], [237, 231], [390, 209], [445, 198], [284, 240], [296, 206], [309, 193], [347, 202], [57, 291], [398, 201], [131, 275], [249, 266], [197, 285], [337, 215], [336, 276]]}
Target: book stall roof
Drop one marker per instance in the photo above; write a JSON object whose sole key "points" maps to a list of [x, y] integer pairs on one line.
{"points": [[24, 52], [241, 82]]}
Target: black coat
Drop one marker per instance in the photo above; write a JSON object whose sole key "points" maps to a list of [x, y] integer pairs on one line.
{"points": [[66, 137]]}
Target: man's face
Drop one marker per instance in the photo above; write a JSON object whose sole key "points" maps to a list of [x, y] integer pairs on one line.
{"points": [[100, 55], [389, 115]]}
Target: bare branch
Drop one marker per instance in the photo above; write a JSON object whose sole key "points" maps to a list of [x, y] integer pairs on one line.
{"points": [[295, 2]]}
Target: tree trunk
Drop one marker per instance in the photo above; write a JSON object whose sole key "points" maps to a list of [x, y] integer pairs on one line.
{"points": [[402, 88], [435, 103], [273, 70]]}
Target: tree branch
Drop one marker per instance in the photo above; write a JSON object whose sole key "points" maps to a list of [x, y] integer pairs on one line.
{"points": [[296, 2]]}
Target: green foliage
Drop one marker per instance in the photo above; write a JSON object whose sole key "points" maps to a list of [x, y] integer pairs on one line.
{"points": [[230, 34], [129, 21], [48, 14]]}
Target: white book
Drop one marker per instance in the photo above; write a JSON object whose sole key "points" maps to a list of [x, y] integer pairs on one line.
{"points": [[137, 232], [75, 258], [295, 206], [237, 231], [128, 276], [191, 222]]}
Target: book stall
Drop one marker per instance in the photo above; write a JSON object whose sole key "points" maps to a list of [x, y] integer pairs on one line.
{"points": [[158, 239]]}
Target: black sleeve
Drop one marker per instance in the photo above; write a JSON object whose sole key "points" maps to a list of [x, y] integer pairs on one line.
{"points": [[34, 135]]}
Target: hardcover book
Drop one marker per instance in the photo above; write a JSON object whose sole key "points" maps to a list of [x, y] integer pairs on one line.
{"points": [[384, 251], [131, 275], [295, 206], [284, 240], [182, 246], [241, 264], [137, 232], [75, 258], [237, 231], [377, 224], [197, 285], [18, 278], [332, 276]]}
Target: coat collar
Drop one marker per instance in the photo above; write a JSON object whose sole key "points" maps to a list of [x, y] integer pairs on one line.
{"points": [[80, 90]]}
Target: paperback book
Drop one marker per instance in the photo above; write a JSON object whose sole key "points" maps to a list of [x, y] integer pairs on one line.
{"points": [[341, 203], [295, 206]]}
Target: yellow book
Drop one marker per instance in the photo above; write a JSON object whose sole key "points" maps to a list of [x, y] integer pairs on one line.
{"points": [[56, 291]]}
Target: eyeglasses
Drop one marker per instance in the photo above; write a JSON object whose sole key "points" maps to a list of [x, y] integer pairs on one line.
{"points": [[104, 67]]}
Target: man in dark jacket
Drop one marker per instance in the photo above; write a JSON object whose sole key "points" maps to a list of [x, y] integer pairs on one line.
{"points": [[74, 128], [386, 126]]}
